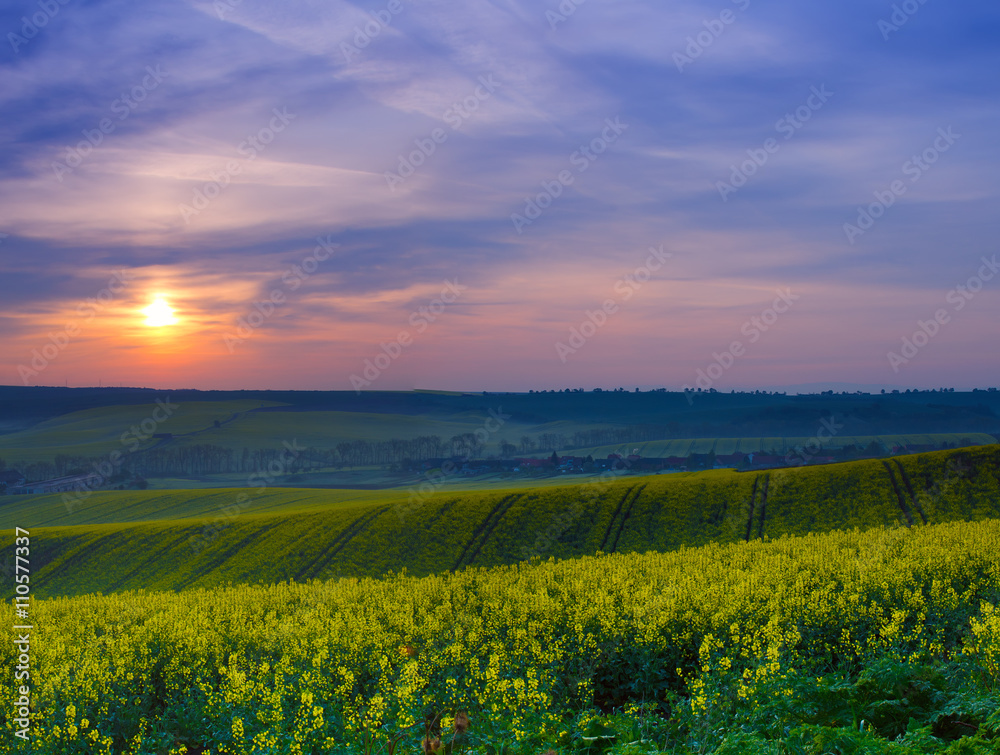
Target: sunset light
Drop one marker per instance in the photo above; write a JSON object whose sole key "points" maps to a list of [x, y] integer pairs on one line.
{"points": [[159, 313], [512, 376]]}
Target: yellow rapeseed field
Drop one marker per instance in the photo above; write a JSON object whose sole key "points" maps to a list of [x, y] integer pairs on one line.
{"points": [[310, 668]]}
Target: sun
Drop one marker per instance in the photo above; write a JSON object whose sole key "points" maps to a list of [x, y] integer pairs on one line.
{"points": [[159, 313]]}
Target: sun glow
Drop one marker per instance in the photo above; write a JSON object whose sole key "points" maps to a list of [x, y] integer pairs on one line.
{"points": [[159, 313]]}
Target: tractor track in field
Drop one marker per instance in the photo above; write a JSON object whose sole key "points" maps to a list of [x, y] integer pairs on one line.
{"points": [[482, 532], [627, 513], [486, 535], [82, 554], [753, 503], [221, 558], [614, 516], [183, 536], [340, 542], [763, 505], [909, 489], [899, 494]]}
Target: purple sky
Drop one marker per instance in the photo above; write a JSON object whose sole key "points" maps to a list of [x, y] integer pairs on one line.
{"points": [[444, 191]]}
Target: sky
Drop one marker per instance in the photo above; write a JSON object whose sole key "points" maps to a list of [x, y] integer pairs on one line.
{"points": [[499, 195]]}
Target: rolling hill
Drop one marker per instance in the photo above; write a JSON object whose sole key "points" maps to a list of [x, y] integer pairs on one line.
{"points": [[268, 536]]}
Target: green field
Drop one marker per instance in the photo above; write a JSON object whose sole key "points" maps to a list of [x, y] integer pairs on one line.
{"points": [[202, 539], [781, 446], [98, 432], [47, 426]]}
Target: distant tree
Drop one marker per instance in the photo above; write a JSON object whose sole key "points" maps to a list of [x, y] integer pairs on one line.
{"points": [[507, 449], [554, 459]]}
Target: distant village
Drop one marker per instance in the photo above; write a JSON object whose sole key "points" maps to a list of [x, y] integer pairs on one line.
{"points": [[12, 482]]}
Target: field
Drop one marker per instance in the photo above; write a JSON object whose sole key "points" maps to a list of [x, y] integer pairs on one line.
{"points": [[880, 642], [686, 446], [37, 425], [832, 609], [96, 432], [170, 540]]}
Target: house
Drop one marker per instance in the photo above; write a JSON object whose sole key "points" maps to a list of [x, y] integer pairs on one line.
{"points": [[700, 461], [10, 478], [59, 485], [766, 460], [531, 462], [729, 460], [650, 463], [438, 463]]}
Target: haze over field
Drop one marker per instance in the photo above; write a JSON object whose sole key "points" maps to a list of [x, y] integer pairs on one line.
{"points": [[249, 194]]}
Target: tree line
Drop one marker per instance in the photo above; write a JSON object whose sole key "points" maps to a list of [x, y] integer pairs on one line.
{"points": [[206, 459]]}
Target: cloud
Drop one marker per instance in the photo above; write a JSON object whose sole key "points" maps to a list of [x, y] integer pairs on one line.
{"points": [[368, 92]]}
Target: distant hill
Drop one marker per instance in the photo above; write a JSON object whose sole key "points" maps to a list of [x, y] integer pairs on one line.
{"points": [[38, 424]]}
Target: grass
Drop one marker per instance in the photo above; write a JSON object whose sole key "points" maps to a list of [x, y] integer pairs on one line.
{"points": [[97, 432], [686, 446], [111, 507], [259, 423], [172, 540]]}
